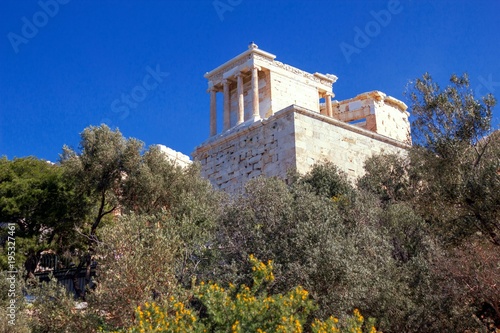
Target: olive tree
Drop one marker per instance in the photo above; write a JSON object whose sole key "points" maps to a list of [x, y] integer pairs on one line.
{"points": [[456, 157], [118, 177]]}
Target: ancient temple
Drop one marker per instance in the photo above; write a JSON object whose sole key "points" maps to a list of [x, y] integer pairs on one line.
{"points": [[277, 117]]}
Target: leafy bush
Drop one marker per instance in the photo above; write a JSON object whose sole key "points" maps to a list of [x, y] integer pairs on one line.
{"points": [[307, 239], [140, 260], [364, 254], [21, 319], [54, 310], [45, 307], [327, 180]]}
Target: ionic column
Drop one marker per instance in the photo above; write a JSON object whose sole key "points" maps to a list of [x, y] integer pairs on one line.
{"points": [[227, 104], [328, 102], [324, 112], [241, 100], [255, 93], [213, 112]]}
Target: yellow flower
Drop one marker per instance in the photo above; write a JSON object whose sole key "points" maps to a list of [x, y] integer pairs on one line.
{"points": [[298, 326], [236, 327], [358, 316]]}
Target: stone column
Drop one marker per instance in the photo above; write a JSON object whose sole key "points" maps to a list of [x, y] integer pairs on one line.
{"points": [[255, 93], [324, 112], [227, 104], [213, 112], [328, 103], [241, 100]]}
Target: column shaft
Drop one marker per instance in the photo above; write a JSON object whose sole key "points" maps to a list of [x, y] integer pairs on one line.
{"points": [[328, 102], [324, 112], [227, 105], [255, 93], [241, 100], [213, 112]]}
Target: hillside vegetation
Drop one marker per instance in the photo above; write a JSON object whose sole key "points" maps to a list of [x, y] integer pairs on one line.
{"points": [[412, 246]]}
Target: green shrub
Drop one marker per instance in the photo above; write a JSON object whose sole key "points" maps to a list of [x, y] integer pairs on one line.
{"points": [[244, 309]]}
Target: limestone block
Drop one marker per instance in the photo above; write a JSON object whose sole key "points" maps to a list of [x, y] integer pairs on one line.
{"points": [[175, 157]]}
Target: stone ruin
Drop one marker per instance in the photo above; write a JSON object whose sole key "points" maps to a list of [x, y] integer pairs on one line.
{"points": [[277, 117]]}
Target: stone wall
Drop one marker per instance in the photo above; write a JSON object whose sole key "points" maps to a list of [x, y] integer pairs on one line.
{"points": [[286, 91], [377, 112], [319, 138], [177, 158], [293, 138], [252, 149], [391, 121]]}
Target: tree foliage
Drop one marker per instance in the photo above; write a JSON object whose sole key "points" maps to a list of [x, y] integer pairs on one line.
{"points": [[328, 181], [120, 177], [388, 177], [451, 180], [44, 204], [459, 166], [36, 196], [102, 165], [140, 258], [474, 267], [449, 117]]}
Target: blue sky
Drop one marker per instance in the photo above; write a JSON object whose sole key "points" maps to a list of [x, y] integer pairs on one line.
{"points": [[65, 64]]}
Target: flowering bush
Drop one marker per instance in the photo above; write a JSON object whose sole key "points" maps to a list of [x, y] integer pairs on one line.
{"points": [[353, 324], [243, 309]]}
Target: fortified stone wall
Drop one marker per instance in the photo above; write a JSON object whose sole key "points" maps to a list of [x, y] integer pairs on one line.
{"points": [[319, 138], [252, 149], [293, 138], [177, 158], [391, 120]]}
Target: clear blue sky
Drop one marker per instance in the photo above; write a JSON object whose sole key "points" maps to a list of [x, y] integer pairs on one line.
{"points": [[82, 55]]}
